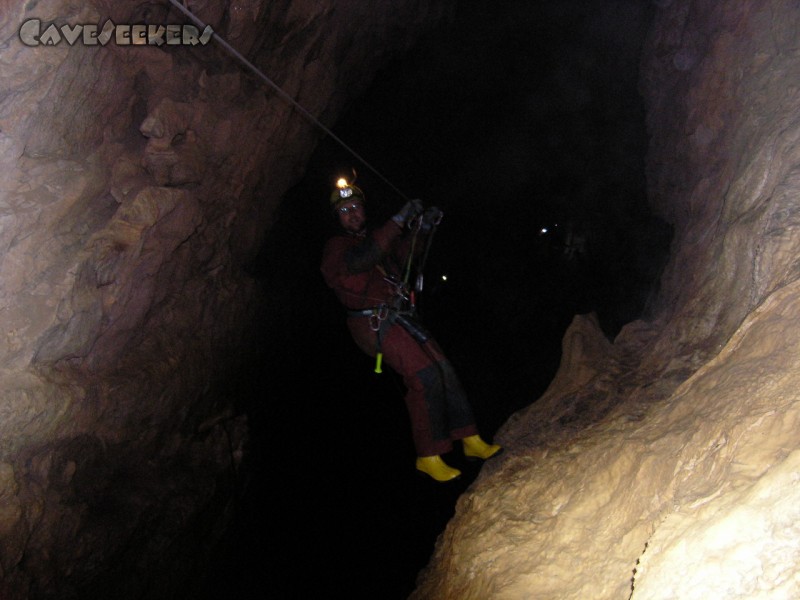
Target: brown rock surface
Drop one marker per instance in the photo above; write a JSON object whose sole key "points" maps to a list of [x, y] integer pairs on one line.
{"points": [[136, 181], [665, 464]]}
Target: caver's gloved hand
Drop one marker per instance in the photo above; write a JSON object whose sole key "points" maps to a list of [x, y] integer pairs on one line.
{"points": [[431, 217], [410, 210]]}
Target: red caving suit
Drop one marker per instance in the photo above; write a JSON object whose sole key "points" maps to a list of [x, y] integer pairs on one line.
{"points": [[355, 266]]}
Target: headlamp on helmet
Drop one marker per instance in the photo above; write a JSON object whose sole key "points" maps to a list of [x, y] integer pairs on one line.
{"points": [[345, 191]]}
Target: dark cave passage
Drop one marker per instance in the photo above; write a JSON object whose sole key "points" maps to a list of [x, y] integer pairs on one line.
{"points": [[184, 412], [529, 134]]}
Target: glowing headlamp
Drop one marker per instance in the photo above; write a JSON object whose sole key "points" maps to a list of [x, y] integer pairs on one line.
{"points": [[345, 191]]}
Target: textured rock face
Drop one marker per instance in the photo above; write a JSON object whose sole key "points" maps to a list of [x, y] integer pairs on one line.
{"points": [[136, 180], [665, 464]]}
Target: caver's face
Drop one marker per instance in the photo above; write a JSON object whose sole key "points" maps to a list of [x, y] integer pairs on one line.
{"points": [[351, 215]]}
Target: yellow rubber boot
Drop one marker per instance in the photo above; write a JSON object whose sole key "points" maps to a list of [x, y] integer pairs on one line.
{"points": [[475, 447], [437, 468]]}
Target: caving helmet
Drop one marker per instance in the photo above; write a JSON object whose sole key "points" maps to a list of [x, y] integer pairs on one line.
{"points": [[345, 191]]}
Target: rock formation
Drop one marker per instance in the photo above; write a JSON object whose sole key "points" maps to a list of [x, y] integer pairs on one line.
{"points": [[137, 178], [665, 464]]}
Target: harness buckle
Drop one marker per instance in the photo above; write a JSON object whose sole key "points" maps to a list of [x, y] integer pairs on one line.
{"points": [[379, 314]]}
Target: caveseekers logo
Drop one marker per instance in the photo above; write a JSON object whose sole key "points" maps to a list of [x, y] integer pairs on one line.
{"points": [[32, 34]]}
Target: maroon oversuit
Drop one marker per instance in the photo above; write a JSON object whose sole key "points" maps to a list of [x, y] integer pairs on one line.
{"points": [[355, 267]]}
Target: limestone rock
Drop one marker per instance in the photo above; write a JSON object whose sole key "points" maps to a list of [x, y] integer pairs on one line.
{"points": [[137, 180], [665, 465]]}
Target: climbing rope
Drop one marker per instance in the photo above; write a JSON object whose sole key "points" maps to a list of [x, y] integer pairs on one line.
{"points": [[259, 73], [416, 228]]}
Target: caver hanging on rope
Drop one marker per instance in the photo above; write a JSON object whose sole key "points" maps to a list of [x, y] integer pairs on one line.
{"points": [[354, 265], [370, 273], [402, 308]]}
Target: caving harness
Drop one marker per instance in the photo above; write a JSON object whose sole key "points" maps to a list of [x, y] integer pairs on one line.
{"points": [[402, 309]]}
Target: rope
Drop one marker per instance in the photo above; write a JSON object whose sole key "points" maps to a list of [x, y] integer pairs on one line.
{"points": [[428, 244], [411, 253], [284, 95]]}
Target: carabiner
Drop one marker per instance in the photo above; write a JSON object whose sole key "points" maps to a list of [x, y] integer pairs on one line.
{"points": [[383, 312], [379, 314]]}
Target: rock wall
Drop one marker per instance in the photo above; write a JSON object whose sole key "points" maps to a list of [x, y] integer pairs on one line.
{"points": [[137, 180], [664, 464], [725, 176]]}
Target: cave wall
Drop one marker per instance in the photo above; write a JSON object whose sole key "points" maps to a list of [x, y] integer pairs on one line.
{"points": [[718, 82], [663, 464], [137, 181]]}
